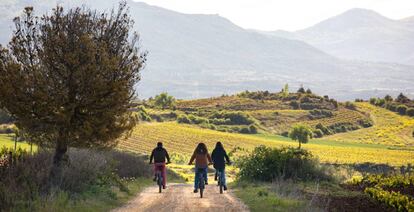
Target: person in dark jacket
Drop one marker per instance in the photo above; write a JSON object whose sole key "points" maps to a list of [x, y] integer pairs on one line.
{"points": [[159, 154], [219, 156]]}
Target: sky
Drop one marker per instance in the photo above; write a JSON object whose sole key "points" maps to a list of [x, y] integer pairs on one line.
{"points": [[284, 14]]}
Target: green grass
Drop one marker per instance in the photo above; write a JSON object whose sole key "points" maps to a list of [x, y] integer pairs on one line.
{"points": [[259, 197], [97, 198], [325, 142], [6, 140]]}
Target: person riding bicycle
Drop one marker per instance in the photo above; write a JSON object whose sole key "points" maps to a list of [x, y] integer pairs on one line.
{"points": [[202, 160], [159, 154], [219, 156]]}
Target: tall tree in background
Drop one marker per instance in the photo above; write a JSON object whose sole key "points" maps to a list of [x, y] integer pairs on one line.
{"points": [[285, 90], [163, 100], [68, 77], [301, 133]]}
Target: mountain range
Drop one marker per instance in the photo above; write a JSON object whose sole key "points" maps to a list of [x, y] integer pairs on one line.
{"points": [[361, 34], [194, 55]]}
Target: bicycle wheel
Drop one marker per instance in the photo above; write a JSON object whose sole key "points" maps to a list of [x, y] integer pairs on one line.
{"points": [[201, 186], [159, 183], [221, 188], [220, 182]]}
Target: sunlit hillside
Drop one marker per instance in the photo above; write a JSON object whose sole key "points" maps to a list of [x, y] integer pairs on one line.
{"points": [[389, 129], [183, 139]]}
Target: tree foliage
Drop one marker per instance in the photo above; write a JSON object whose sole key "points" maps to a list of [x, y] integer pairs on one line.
{"points": [[163, 101], [68, 77], [301, 133], [285, 91], [5, 117], [402, 109], [301, 90], [402, 98]]}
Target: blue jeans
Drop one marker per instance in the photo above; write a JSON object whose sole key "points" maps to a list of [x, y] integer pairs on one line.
{"points": [[222, 176], [196, 179]]}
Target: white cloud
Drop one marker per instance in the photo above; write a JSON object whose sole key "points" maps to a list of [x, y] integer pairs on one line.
{"points": [[284, 14]]}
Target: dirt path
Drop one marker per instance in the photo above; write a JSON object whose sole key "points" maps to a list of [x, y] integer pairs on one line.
{"points": [[180, 197]]}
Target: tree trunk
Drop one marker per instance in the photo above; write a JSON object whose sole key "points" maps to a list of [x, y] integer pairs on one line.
{"points": [[299, 144], [58, 159]]}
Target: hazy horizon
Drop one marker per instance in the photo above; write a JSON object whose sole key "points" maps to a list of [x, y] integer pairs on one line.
{"points": [[284, 15]]}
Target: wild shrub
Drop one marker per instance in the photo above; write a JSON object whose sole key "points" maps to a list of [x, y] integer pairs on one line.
{"points": [[341, 127], [380, 102], [217, 121], [27, 180], [128, 165], [294, 104], [365, 123], [285, 134], [325, 130], [372, 101], [267, 164], [305, 99], [157, 117], [350, 105], [318, 114], [252, 129], [317, 133], [391, 106], [410, 112], [164, 101], [183, 119], [402, 109], [197, 120], [236, 118], [143, 114]]}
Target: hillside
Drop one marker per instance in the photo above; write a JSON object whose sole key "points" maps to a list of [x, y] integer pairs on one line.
{"points": [[262, 111], [194, 56], [350, 35], [389, 129], [388, 141], [182, 139]]}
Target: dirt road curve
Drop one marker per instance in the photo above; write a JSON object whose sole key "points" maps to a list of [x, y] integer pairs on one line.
{"points": [[180, 197]]}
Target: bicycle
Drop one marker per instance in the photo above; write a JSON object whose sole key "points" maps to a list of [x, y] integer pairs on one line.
{"points": [[201, 182], [159, 180], [159, 177], [220, 178], [220, 181]]}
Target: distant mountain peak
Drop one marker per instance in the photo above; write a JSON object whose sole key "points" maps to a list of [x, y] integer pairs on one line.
{"points": [[353, 18], [361, 12]]}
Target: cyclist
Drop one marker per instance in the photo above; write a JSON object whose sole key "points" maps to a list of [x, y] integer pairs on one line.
{"points": [[159, 154], [202, 160], [218, 155]]}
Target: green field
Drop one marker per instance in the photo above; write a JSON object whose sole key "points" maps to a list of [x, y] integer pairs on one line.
{"points": [[6, 140], [182, 139]]}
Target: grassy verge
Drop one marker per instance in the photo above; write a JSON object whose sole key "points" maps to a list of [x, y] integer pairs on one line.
{"points": [[261, 197], [303, 196], [98, 198]]}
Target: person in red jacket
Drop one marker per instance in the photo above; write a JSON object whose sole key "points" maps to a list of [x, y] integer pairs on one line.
{"points": [[159, 154], [202, 160]]}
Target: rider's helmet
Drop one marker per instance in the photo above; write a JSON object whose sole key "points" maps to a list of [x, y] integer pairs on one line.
{"points": [[159, 144]]}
